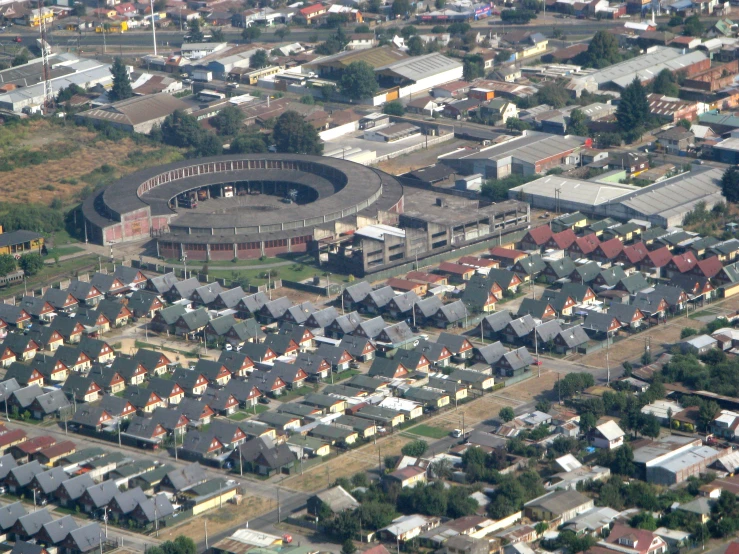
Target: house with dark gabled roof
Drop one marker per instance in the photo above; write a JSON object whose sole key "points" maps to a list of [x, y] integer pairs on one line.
{"points": [[633, 283], [291, 374], [438, 354], [182, 290], [344, 325], [247, 330], [228, 299], [108, 379], [47, 482], [529, 268], [514, 363], [82, 539], [274, 310], [299, 313], [628, 316], [49, 405], [387, 368], [144, 400], [145, 432], [144, 304], [360, 348], [197, 411], [394, 336], [155, 363], [192, 323], [132, 371], [582, 294], [557, 270], [221, 401], [321, 319], [268, 383], [174, 422], [98, 496], [536, 238], [72, 489], [165, 319], [85, 293], [238, 363], [317, 365], [216, 373], [14, 316], [47, 337], [29, 525], [23, 547], [249, 305], [413, 360], [609, 277], [585, 274], [228, 433], [540, 309], [506, 280], [167, 389], [219, 326], [37, 307], [91, 418], [23, 398], [21, 476], [99, 351], [129, 276], [675, 297], [370, 328], [61, 300], [563, 304], [355, 294], [117, 313], [601, 326], [82, 388], [651, 304], [264, 457], [494, 323], [74, 358], [184, 478], [570, 339], [192, 382], [124, 503], [697, 287], [481, 295], [460, 347], [206, 294], [401, 305], [24, 375], [376, 301], [282, 345], [450, 314], [258, 352], [22, 346], [9, 515], [518, 330], [490, 353]]}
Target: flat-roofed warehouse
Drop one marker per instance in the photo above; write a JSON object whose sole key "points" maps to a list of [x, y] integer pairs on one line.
{"points": [[529, 154], [419, 73], [665, 203], [646, 67], [138, 114]]}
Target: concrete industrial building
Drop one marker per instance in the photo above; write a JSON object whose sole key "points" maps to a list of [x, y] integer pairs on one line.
{"points": [[664, 203], [529, 154], [138, 114]]}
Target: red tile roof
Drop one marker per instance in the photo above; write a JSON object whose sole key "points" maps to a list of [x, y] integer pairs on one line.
{"points": [[611, 248], [539, 235], [588, 243], [640, 538], [474, 261], [402, 284], [455, 269], [710, 267], [636, 252], [424, 277], [10, 436], [564, 239], [660, 257], [684, 262], [507, 253], [315, 8]]}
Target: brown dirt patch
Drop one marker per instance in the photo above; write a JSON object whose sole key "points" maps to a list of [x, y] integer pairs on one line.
{"points": [[65, 177], [532, 389], [221, 519]]}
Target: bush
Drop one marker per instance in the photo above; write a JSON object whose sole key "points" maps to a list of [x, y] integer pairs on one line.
{"points": [[416, 448]]}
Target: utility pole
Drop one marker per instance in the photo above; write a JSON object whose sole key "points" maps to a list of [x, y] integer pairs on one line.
{"points": [[119, 434]]}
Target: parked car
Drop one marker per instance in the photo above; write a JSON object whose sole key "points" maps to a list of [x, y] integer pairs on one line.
{"points": [[457, 433]]}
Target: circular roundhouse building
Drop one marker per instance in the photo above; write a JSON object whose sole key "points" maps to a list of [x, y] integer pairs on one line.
{"points": [[242, 206]]}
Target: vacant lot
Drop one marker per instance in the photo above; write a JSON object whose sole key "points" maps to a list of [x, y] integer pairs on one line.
{"points": [[532, 389], [55, 160], [221, 519]]}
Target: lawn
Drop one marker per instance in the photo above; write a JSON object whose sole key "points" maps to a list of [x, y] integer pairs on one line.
{"points": [[63, 251], [344, 375], [292, 272], [237, 263], [295, 393], [54, 272], [428, 431], [241, 415]]}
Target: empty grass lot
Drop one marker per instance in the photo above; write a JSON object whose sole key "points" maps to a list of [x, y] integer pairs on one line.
{"points": [[428, 431]]}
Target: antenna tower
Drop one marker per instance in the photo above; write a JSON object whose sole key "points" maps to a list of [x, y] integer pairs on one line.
{"points": [[48, 103]]}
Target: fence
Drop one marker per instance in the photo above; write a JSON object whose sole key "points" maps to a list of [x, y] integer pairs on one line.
{"points": [[314, 289]]}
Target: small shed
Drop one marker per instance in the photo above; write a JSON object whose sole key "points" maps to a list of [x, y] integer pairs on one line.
{"points": [[469, 182]]}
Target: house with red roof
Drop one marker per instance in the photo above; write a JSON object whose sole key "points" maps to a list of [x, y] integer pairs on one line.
{"points": [[536, 238], [607, 251], [632, 255], [562, 240], [583, 246], [639, 541], [430, 278], [506, 256], [457, 272], [310, 13], [680, 263], [654, 261], [710, 267]]}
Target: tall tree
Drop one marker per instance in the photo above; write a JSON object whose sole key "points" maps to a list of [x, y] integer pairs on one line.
{"points": [[415, 46], [693, 26], [181, 129], [473, 67], [121, 88], [633, 110], [293, 134], [259, 59], [578, 124], [7, 264], [602, 50], [730, 184], [228, 121], [252, 33], [506, 414], [195, 32], [358, 81], [400, 8], [665, 83]]}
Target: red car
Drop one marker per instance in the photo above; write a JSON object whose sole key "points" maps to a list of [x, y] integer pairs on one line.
{"points": [[537, 362], [17, 39]]}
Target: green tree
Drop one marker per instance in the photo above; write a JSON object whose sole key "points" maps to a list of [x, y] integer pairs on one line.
{"points": [[706, 413], [633, 110], [21, 58], [553, 95], [348, 547], [602, 50], [408, 31], [415, 45], [294, 135], [730, 184], [665, 83], [228, 121], [209, 145], [415, 448], [195, 33], [623, 461], [458, 28], [7, 264], [515, 124], [578, 124], [250, 34], [393, 108], [121, 88], [358, 81], [506, 414], [79, 10], [259, 59], [67, 93], [31, 264], [400, 8], [541, 527], [649, 425], [473, 67], [217, 35], [693, 26], [514, 17], [181, 129], [587, 422], [686, 332], [362, 29]]}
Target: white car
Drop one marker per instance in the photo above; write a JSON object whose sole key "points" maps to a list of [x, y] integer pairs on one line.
{"points": [[457, 433], [228, 347]]}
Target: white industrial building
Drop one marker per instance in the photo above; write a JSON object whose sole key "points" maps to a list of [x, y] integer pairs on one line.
{"points": [[665, 203], [420, 73]]}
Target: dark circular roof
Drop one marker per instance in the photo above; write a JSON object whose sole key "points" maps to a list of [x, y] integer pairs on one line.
{"points": [[343, 188]]}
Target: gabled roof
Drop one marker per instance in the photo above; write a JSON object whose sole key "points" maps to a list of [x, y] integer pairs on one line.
{"points": [[358, 291], [574, 336], [561, 267], [163, 283], [635, 253], [491, 353], [196, 319], [538, 235], [498, 320], [187, 476], [535, 308], [634, 283]]}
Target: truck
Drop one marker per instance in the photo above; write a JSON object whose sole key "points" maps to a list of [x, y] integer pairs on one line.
{"points": [[202, 75]]}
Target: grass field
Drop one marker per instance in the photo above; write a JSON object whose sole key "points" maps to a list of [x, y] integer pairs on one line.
{"points": [[54, 272], [428, 431], [72, 158], [293, 272]]}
